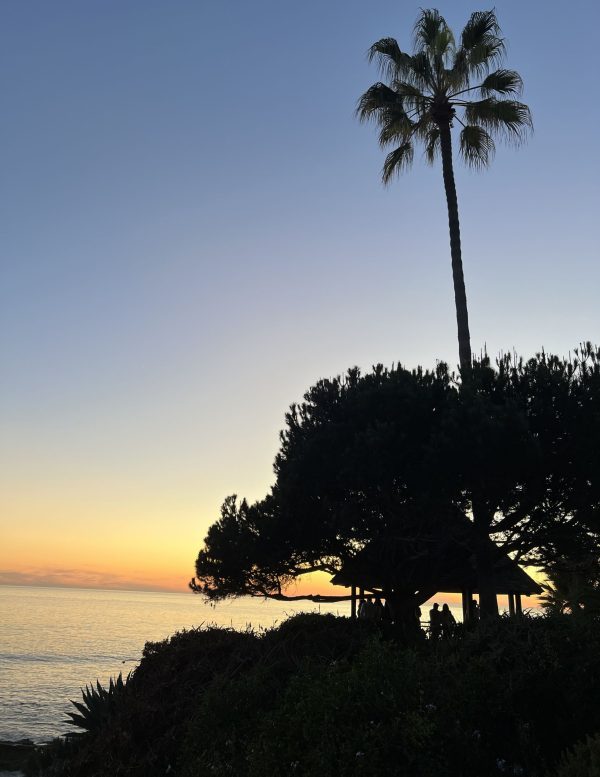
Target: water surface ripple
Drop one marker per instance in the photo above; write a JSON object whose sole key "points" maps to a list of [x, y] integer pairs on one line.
{"points": [[55, 640]]}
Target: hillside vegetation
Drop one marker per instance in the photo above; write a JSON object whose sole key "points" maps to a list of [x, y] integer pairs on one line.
{"points": [[321, 696]]}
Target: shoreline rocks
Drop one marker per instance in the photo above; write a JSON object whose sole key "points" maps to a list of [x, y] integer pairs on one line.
{"points": [[14, 755]]}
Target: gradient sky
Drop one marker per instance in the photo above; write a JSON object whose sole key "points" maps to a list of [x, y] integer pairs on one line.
{"points": [[194, 231]]}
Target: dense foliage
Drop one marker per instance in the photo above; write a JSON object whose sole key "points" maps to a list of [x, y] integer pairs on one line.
{"points": [[403, 453], [331, 697]]}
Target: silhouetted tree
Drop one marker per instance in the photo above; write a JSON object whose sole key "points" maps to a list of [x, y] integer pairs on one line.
{"points": [[573, 584], [341, 452], [440, 83], [562, 397], [395, 454]]}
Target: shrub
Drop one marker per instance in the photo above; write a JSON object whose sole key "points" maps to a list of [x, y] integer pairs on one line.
{"points": [[337, 698], [582, 761]]}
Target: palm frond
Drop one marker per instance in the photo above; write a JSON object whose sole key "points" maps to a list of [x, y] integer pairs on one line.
{"points": [[420, 72], [396, 161], [424, 91], [377, 98], [476, 147], [457, 77], [503, 82], [427, 30], [484, 56], [444, 42], [392, 62], [408, 90], [508, 118], [480, 48], [395, 128], [481, 27], [432, 144]]}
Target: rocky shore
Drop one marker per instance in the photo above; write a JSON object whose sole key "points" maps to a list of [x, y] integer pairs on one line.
{"points": [[14, 756]]}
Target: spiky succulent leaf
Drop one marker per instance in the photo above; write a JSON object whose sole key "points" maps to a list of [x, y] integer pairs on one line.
{"points": [[98, 704]]}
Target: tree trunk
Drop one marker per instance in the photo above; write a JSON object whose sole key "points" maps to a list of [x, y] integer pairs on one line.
{"points": [[484, 556], [485, 561], [460, 295]]}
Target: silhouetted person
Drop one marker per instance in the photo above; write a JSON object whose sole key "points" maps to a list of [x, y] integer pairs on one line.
{"points": [[418, 614], [474, 611], [448, 622], [377, 609], [435, 621], [364, 607]]}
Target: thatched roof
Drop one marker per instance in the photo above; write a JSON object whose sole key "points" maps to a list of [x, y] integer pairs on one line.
{"points": [[443, 563]]}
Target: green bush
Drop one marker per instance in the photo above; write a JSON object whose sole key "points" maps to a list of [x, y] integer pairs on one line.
{"points": [[504, 700], [329, 697], [142, 735], [582, 761]]}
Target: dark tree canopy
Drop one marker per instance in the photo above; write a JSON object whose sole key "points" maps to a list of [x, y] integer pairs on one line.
{"points": [[398, 453]]}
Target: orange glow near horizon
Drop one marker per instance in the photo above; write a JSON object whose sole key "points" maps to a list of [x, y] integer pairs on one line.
{"points": [[131, 549], [118, 567]]}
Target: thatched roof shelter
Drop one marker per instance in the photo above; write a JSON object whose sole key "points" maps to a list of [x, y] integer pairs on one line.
{"points": [[432, 563]]}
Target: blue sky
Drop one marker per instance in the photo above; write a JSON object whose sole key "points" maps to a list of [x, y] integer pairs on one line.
{"points": [[194, 231]]}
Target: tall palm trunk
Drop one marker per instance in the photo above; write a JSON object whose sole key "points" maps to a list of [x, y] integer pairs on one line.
{"points": [[484, 561], [460, 295]]}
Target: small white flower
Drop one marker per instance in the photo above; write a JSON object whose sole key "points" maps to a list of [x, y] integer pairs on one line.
{"points": [[501, 764], [359, 754], [430, 707]]}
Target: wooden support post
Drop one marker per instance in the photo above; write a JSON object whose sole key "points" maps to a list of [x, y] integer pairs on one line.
{"points": [[519, 606], [465, 605], [353, 603], [511, 604]]}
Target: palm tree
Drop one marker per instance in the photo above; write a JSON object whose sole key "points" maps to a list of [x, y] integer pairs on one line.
{"points": [[439, 84]]}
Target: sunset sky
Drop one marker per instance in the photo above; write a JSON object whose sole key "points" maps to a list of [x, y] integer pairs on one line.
{"points": [[194, 231]]}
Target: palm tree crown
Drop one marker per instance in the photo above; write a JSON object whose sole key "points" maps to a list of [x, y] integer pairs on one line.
{"points": [[437, 85], [440, 83]]}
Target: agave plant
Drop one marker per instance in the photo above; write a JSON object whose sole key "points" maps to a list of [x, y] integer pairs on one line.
{"points": [[98, 704]]}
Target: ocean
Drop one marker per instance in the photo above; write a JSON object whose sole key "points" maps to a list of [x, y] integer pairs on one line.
{"points": [[53, 641]]}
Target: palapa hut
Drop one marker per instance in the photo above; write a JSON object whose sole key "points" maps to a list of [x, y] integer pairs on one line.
{"points": [[436, 562]]}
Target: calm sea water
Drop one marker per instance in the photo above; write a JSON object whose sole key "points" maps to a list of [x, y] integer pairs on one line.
{"points": [[53, 641]]}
